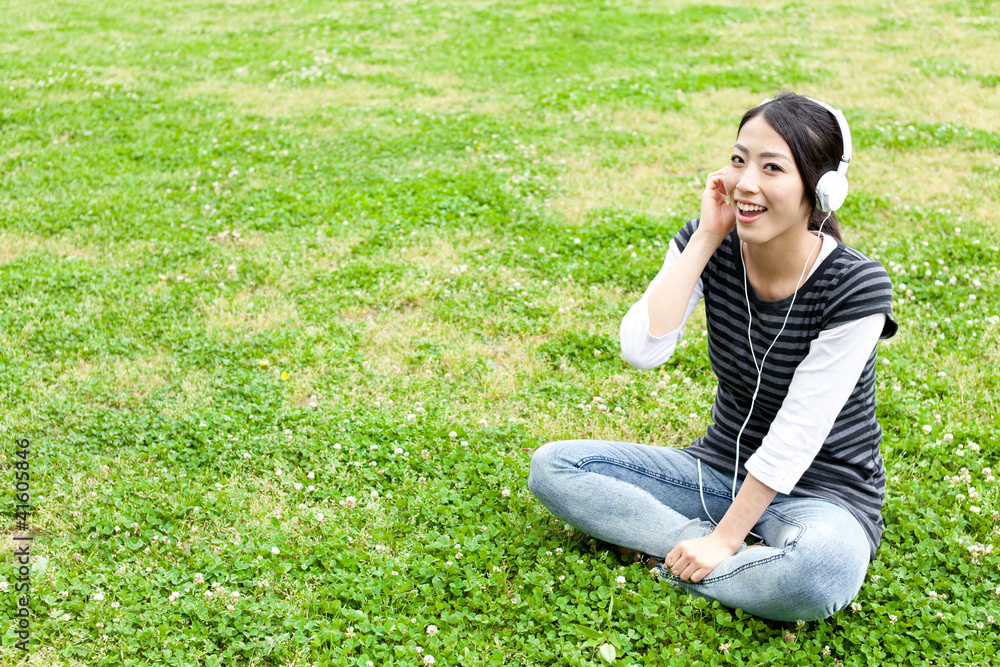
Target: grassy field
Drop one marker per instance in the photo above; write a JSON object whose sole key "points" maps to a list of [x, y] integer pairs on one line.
{"points": [[290, 291]]}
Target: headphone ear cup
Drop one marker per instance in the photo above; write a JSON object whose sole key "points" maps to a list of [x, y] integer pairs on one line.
{"points": [[831, 191]]}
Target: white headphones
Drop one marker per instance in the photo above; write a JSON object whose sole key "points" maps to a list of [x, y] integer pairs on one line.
{"points": [[831, 189]]}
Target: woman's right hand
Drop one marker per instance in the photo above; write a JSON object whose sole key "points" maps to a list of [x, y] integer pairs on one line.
{"points": [[717, 217]]}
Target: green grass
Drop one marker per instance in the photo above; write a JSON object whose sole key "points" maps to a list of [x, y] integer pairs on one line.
{"points": [[290, 291]]}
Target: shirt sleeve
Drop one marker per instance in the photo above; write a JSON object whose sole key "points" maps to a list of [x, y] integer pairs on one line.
{"points": [[640, 348], [820, 387]]}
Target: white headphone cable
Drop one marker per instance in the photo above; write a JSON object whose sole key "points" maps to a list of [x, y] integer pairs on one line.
{"points": [[759, 367]]}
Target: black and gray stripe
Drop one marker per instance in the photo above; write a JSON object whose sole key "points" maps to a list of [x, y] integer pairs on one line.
{"points": [[846, 286]]}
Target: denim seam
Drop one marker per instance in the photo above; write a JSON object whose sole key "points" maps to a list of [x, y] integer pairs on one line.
{"points": [[648, 473], [791, 522], [790, 546], [743, 568]]}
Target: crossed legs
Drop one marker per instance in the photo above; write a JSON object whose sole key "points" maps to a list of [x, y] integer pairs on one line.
{"points": [[648, 499]]}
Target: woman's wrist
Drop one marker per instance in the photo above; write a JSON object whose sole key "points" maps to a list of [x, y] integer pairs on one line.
{"points": [[729, 539], [706, 241]]}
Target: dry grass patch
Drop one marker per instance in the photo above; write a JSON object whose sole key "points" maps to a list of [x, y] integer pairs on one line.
{"points": [[904, 175], [124, 381], [684, 145], [13, 246], [233, 313], [276, 100]]}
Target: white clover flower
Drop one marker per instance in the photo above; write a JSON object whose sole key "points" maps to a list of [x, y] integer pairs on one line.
{"points": [[247, 455], [374, 495], [621, 580], [428, 659], [505, 493], [432, 630], [275, 551], [855, 606], [349, 501], [98, 597]]}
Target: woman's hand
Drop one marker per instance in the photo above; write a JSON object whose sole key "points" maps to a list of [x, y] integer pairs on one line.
{"points": [[692, 560], [717, 216]]}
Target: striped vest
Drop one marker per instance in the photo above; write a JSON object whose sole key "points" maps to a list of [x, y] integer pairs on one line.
{"points": [[848, 469]]}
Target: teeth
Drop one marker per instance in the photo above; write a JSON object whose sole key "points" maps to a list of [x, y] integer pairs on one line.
{"points": [[749, 207]]}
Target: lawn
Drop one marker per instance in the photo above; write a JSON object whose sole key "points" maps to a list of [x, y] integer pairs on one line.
{"points": [[289, 293]]}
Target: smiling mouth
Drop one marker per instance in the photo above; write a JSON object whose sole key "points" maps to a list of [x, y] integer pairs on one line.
{"points": [[748, 212]]}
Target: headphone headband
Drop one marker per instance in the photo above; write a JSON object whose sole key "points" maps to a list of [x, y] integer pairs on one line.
{"points": [[845, 132]]}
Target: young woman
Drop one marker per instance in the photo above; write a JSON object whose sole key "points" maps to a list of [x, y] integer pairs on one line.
{"points": [[792, 456]]}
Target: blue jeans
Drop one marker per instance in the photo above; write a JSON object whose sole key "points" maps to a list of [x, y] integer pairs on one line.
{"points": [[647, 498]]}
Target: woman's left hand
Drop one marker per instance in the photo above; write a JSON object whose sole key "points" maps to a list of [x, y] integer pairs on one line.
{"points": [[692, 560]]}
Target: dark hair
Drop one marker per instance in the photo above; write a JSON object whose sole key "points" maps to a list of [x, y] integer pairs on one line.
{"points": [[814, 137]]}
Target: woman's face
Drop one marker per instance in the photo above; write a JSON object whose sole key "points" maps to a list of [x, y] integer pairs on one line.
{"points": [[765, 186]]}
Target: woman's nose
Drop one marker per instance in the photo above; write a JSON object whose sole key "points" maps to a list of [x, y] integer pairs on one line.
{"points": [[749, 180]]}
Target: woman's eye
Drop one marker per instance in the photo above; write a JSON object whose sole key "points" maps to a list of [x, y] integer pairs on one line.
{"points": [[736, 159], [770, 166]]}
